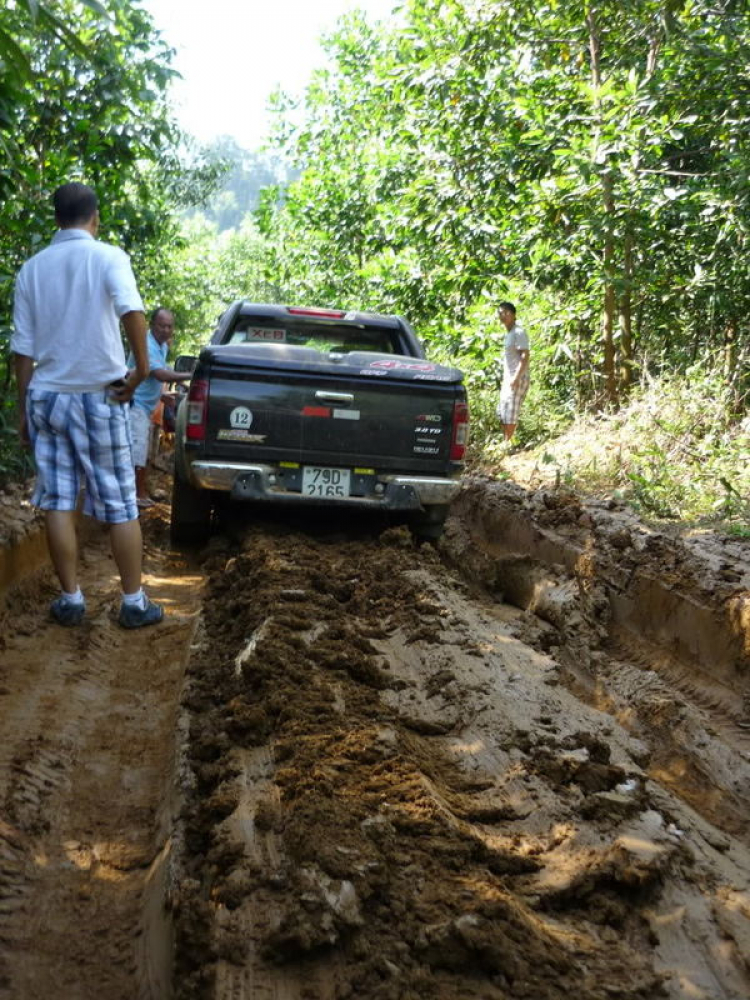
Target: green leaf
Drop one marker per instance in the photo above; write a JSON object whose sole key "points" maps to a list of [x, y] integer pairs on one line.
{"points": [[97, 8], [14, 54]]}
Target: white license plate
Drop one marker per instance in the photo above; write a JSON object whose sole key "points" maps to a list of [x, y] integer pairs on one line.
{"points": [[319, 481]]}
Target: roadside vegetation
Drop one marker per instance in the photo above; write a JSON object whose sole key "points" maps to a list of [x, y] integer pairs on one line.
{"points": [[673, 452], [587, 161]]}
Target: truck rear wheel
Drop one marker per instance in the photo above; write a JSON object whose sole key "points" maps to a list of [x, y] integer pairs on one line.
{"points": [[190, 521], [427, 526]]}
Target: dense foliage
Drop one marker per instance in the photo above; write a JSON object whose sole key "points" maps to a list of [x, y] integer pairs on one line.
{"points": [[594, 154], [207, 270], [83, 96]]}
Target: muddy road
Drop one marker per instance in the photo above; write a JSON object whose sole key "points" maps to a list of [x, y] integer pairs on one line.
{"points": [[514, 766]]}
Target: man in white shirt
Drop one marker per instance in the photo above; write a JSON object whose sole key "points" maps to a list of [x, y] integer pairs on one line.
{"points": [[73, 389], [515, 381]]}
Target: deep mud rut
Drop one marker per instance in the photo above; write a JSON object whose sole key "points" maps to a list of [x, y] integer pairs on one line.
{"points": [[87, 723], [516, 767]]}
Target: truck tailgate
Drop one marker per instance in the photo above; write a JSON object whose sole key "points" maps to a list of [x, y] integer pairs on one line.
{"points": [[355, 411]]}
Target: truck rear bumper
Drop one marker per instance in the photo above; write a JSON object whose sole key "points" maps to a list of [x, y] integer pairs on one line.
{"points": [[261, 482]]}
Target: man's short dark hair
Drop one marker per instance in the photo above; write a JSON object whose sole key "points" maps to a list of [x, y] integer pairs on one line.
{"points": [[74, 203], [507, 305], [160, 309]]}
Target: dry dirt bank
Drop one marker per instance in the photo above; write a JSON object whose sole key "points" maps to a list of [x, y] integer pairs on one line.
{"points": [[514, 768], [399, 787]]}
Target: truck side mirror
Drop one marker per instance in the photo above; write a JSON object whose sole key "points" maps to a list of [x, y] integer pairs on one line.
{"points": [[185, 363]]}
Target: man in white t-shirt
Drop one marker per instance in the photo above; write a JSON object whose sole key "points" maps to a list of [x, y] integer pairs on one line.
{"points": [[73, 390], [515, 378]]}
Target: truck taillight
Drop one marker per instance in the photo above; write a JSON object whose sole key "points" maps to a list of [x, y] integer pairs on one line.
{"points": [[197, 410], [460, 434]]}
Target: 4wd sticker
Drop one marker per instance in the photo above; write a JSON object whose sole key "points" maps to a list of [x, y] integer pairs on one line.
{"points": [[430, 425]]}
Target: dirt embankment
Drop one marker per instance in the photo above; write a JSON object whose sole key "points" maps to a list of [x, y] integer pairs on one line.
{"points": [[516, 767]]}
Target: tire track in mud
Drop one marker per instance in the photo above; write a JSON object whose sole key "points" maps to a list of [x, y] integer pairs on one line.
{"points": [[729, 712], [87, 717], [448, 819]]}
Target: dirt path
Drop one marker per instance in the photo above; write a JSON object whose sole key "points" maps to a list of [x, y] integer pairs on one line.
{"points": [[405, 789], [88, 718], [517, 768]]}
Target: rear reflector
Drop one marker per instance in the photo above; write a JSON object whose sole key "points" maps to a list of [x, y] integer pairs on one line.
{"points": [[197, 410], [327, 313], [460, 433]]}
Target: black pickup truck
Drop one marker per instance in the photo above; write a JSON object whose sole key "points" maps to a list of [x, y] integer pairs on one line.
{"points": [[318, 406]]}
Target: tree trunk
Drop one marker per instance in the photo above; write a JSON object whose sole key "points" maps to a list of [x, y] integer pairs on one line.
{"points": [[730, 352], [626, 317], [610, 297]]}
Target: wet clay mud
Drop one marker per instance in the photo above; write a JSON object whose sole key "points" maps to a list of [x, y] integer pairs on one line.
{"points": [[513, 765]]}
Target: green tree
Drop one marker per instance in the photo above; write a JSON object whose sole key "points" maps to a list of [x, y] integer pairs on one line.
{"points": [[83, 95], [596, 152], [203, 271]]}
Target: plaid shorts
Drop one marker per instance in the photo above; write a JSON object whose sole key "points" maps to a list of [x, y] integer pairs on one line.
{"points": [[509, 406], [79, 436]]}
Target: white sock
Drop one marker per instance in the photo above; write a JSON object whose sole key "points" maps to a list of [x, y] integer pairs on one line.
{"points": [[138, 599], [75, 598]]}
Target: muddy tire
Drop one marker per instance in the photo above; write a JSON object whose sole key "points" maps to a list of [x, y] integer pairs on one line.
{"points": [[190, 521], [427, 526]]}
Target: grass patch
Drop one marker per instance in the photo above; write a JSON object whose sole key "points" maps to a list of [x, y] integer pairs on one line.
{"points": [[674, 452]]}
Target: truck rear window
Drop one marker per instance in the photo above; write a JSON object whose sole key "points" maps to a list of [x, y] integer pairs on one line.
{"points": [[325, 337]]}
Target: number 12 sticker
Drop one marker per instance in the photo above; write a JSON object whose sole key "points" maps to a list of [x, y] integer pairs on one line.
{"points": [[240, 417]]}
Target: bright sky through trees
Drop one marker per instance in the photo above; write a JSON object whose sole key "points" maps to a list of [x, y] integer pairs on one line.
{"points": [[233, 53]]}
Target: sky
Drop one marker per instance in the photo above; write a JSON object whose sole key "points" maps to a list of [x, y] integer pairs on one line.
{"points": [[232, 55]]}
